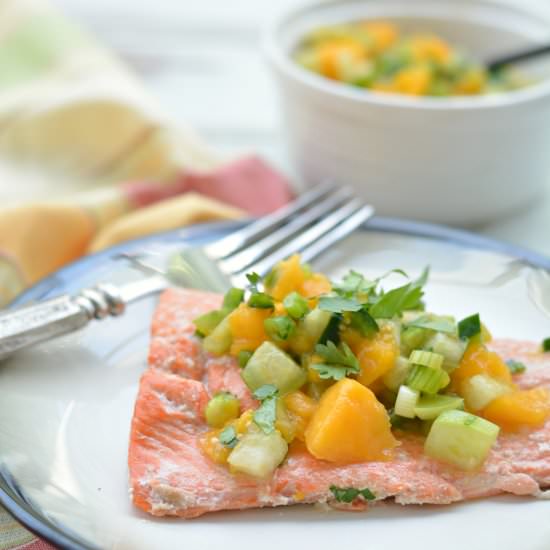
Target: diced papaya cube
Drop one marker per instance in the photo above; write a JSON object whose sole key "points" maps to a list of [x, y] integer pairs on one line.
{"points": [[301, 407], [289, 277], [349, 425], [477, 359], [315, 285], [330, 54], [383, 34], [247, 328], [376, 355], [520, 408]]}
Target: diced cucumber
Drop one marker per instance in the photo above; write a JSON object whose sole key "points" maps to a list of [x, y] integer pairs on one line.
{"points": [[219, 341], [406, 401], [426, 379], [426, 358], [461, 439], [222, 408], [398, 374], [431, 406], [309, 330], [271, 365], [451, 348], [481, 389], [258, 454], [413, 338], [207, 323]]}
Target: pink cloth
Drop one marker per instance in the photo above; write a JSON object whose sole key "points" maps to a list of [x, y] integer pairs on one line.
{"points": [[248, 183]]}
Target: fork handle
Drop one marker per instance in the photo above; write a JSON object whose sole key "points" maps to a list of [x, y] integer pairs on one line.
{"points": [[36, 323]]}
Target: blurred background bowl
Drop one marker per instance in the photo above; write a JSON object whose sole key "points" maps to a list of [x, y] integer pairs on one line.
{"points": [[456, 160]]}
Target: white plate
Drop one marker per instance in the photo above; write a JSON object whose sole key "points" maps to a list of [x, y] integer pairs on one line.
{"points": [[65, 410]]}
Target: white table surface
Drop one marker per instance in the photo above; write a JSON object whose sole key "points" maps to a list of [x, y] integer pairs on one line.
{"points": [[202, 61]]}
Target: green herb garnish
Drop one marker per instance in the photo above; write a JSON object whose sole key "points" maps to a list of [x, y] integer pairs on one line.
{"points": [[279, 328], [338, 361], [353, 283], [363, 322], [261, 300], [266, 414], [228, 437], [296, 305], [546, 344], [469, 327], [265, 391], [338, 304], [349, 494], [233, 297], [253, 279], [515, 367], [439, 325], [332, 330]]}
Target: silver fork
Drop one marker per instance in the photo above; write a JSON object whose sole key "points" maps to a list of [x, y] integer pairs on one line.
{"points": [[311, 224]]}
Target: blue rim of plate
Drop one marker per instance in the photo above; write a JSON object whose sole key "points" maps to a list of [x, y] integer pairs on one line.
{"points": [[15, 501]]}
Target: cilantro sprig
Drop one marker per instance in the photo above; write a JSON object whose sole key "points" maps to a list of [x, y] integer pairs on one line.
{"points": [[338, 362], [469, 327], [266, 414], [437, 324], [515, 367], [228, 437], [258, 299], [349, 494]]}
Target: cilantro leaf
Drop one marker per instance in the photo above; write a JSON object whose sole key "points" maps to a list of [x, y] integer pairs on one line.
{"points": [[349, 494], [439, 325], [338, 361], [353, 283], [468, 327], [228, 437], [332, 330], [266, 414], [265, 391], [253, 278], [546, 344], [388, 273], [363, 322], [515, 367], [338, 304]]}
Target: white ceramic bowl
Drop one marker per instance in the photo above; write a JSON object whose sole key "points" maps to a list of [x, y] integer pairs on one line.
{"points": [[453, 160]]}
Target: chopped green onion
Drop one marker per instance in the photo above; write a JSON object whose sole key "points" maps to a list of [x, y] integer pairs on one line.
{"points": [[481, 389], [546, 344], [233, 297], [413, 338], [266, 415], [450, 347], [222, 408], [296, 305], [406, 401], [515, 367], [244, 357], [398, 374], [332, 330], [426, 379], [461, 439], [228, 437], [431, 406], [261, 300], [469, 327], [205, 324], [279, 328], [426, 358]]}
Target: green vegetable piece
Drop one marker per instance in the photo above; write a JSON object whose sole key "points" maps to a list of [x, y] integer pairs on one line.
{"points": [[338, 362], [413, 338], [228, 437], [469, 327], [232, 299], [349, 494], [431, 406], [219, 341], [261, 300], [426, 358], [354, 284], [461, 439], [279, 328], [332, 330], [265, 391], [243, 358], [450, 347], [296, 305], [253, 279], [363, 322], [398, 374], [338, 304], [258, 454], [479, 390], [271, 365], [266, 414], [406, 401], [309, 330], [438, 324], [270, 279], [205, 324], [222, 408], [515, 367], [426, 379], [546, 345]]}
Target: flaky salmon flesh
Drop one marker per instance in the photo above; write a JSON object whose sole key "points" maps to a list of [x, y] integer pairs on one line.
{"points": [[170, 475]]}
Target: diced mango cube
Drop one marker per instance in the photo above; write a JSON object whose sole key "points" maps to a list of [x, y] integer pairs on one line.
{"points": [[349, 425], [247, 328]]}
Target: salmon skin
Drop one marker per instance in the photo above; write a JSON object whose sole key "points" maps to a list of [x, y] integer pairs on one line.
{"points": [[170, 475]]}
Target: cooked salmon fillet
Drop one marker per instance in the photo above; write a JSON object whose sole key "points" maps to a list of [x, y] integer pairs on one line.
{"points": [[170, 475]]}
